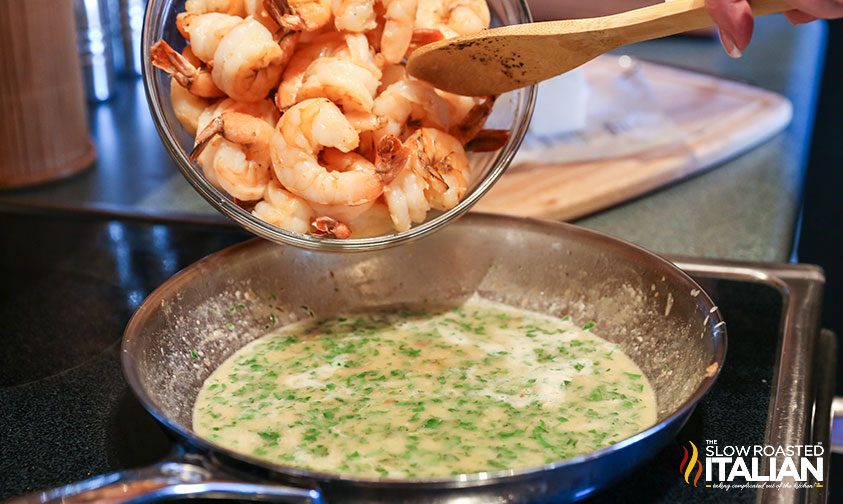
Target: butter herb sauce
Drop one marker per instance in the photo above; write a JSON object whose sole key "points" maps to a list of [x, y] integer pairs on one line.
{"points": [[425, 393]]}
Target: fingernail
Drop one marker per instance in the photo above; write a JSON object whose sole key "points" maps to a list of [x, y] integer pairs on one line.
{"points": [[729, 44]]}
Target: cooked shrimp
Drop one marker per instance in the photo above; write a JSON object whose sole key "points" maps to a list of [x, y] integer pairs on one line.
{"points": [[400, 17], [404, 192], [351, 47], [432, 19], [264, 110], [233, 7], [472, 121], [242, 163], [467, 16], [429, 170], [458, 105], [186, 106], [391, 157], [265, 12], [207, 158], [239, 173], [283, 209], [354, 15], [305, 15], [357, 50], [373, 222], [365, 121], [337, 160], [345, 72], [453, 17], [329, 227], [248, 62], [391, 75], [410, 100], [360, 147], [194, 77], [349, 85], [291, 79], [430, 14], [441, 160], [305, 130], [205, 31], [423, 36]]}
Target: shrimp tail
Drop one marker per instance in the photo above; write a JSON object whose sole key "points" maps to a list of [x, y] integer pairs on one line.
{"points": [[214, 128], [236, 127], [279, 11], [288, 43], [284, 15], [196, 80], [165, 58], [473, 122], [364, 121], [434, 174], [279, 103], [390, 158], [330, 228]]}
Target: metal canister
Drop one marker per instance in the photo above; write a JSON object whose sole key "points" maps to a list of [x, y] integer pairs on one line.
{"points": [[131, 23], [95, 51], [116, 36]]}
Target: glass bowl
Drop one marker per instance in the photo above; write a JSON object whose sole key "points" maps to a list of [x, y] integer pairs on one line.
{"points": [[511, 112]]}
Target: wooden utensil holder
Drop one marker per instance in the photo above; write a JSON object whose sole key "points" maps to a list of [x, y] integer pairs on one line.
{"points": [[43, 117]]}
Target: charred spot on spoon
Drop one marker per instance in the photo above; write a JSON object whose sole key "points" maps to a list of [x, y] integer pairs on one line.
{"points": [[459, 46], [512, 67], [480, 58]]}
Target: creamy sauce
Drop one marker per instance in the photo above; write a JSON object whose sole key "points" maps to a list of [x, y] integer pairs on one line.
{"points": [[425, 393]]}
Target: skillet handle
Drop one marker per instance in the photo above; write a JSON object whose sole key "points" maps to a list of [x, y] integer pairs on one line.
{"points": [[167, 480]]}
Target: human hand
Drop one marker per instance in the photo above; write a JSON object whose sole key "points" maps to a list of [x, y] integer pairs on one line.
{"points": [[734, 17]]}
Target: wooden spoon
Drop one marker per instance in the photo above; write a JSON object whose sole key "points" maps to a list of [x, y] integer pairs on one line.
{"points": [[502, 59]]}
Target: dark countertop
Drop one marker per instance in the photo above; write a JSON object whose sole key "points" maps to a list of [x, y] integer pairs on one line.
{"points": [[69, 289], [745, 209], [70, 285]]}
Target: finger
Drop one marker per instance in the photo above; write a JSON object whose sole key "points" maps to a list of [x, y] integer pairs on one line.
{"points": [[826, 9], [734, 17], [798, 17]]}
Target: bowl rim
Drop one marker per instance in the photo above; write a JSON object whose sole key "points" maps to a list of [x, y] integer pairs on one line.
{"points": [[224, 204]]}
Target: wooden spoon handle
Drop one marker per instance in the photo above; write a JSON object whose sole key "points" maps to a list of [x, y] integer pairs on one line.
{"points": [[671, 17], [502, 59]]}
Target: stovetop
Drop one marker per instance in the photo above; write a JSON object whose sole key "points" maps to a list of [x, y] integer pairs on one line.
{"points": [[70, 286]]}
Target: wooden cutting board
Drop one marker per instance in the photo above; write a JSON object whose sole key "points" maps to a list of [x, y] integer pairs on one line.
{"points": [[703, 121]]}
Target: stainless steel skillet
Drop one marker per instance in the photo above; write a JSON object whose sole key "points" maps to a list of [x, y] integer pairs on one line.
{"points": [[188, 326]]}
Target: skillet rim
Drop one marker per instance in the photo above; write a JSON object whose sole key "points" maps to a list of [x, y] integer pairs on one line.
{"points": [[153, 301]]}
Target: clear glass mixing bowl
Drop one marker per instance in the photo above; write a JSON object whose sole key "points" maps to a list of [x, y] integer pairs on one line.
{"points": [[511, 112]]}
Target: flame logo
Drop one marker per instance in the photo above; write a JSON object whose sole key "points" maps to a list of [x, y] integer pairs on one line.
{"points": [[686, 467]]}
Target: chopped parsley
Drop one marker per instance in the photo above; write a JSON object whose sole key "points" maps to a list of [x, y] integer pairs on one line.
{"points": [[407, 392]]}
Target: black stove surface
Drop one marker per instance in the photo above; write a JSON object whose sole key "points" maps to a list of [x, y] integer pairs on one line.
{"points": [[70, 286]]}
